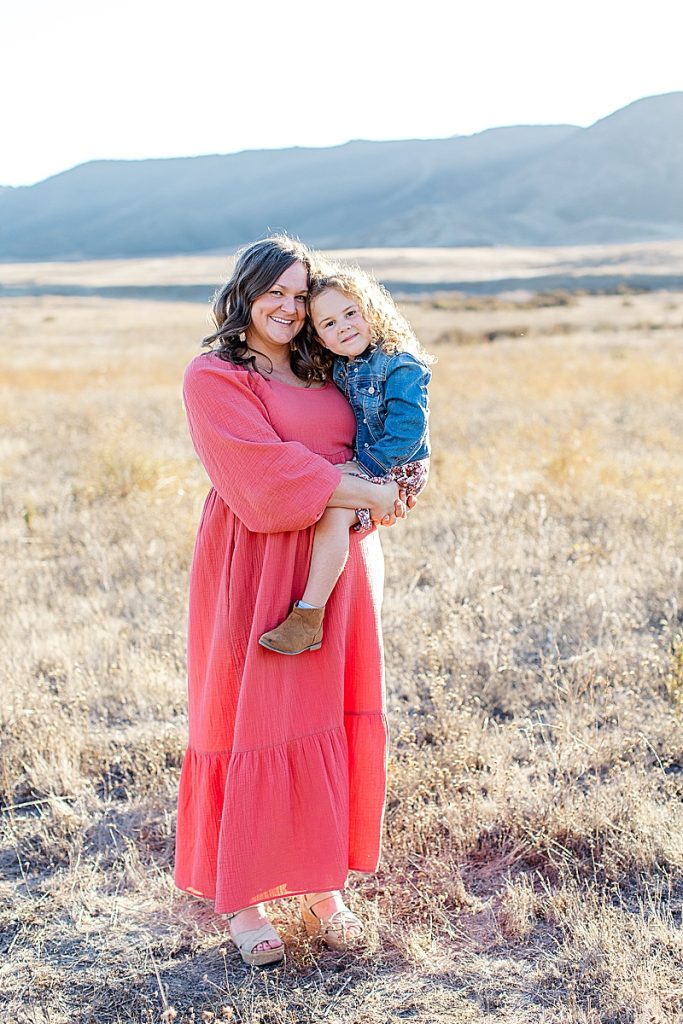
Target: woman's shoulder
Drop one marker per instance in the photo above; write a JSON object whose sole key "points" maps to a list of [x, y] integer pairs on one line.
{"points": [[212, 360], [208, 365], [210, 379]]}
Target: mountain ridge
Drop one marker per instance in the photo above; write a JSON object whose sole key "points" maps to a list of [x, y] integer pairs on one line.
{"points": [[620, 179]]}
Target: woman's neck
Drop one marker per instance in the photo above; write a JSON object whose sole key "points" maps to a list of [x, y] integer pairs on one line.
{"points": [[275, 363]]}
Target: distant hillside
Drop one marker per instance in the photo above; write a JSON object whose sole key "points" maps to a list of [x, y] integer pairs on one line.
{"points": [[619, 180]]}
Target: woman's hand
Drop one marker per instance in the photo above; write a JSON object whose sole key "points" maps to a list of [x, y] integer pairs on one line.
{"points": [[409, 500], [387, 506], [401, 505], [384, 500]]}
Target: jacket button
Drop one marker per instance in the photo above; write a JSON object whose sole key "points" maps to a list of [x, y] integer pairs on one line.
{"points": [[366, 445]]}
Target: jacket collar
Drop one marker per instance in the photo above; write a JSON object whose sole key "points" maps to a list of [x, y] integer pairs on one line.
{"points": [[364, 357]]}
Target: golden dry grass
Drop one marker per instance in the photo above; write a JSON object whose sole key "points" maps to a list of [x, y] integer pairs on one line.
{"points": [[534, 834]]}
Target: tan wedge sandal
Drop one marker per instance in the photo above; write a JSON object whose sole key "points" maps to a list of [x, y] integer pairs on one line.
{"points": [[341, 930], [247, 941]]}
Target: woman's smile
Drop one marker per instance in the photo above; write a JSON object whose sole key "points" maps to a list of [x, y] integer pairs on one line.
{"points": [[278, 315]]}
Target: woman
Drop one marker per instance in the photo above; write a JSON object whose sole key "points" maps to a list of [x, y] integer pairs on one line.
{"points": [[283, 784]]}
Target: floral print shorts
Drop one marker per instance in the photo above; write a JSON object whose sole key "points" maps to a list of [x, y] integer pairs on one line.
{"points": [[412, 478]]}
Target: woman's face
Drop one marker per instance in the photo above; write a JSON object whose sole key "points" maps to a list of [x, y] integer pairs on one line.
{"points": [[339, 323], [278, 315]]}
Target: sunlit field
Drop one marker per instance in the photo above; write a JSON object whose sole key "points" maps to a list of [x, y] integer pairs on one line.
{"points": [[533, 849]]}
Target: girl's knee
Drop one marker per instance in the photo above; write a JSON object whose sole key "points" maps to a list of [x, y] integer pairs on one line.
{"points": [[337, 519]]}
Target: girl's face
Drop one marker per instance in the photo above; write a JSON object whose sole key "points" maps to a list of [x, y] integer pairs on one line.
{"points": [[339, 323], [278, 315]]}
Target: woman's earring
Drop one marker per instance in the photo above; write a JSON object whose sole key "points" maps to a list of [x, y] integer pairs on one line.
{"points": [[243, 336], [293, 346]]}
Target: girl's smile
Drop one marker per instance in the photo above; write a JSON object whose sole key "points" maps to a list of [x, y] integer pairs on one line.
{"points": [[339, 323]]}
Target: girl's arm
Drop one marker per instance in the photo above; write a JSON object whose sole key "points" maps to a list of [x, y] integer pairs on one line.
{"points": [[407, 418]]}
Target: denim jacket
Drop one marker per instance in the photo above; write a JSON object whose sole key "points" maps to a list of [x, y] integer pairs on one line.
{"points": [[388, 394]]}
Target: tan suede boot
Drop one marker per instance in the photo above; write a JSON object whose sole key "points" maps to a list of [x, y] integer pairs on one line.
{"points": [[301, 631]]}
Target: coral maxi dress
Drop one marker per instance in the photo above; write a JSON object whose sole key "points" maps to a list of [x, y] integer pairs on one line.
{"points": [[283, 783]]}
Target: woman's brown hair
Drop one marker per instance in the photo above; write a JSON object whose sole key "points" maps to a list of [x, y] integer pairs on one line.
{"points": [[257, 267]]}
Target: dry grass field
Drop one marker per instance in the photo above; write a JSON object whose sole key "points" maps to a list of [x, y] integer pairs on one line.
{"points": [[533, 859]]}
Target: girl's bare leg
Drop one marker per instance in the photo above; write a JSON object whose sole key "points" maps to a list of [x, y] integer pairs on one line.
{"points": [[302, 630], [329, 555]]}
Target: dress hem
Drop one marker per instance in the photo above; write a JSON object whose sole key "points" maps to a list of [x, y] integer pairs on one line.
{"points": [[341, 770]]}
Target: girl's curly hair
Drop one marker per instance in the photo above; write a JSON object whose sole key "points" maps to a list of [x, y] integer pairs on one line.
{"points": [[389, 329], [258, 266]]}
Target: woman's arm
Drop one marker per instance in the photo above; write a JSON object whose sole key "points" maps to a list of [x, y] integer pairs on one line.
{"points": [[383, 500], [272, 485], [406, 502]]}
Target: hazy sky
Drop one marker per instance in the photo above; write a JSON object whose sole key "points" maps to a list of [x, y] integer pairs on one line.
{"points": [[84, 79]]}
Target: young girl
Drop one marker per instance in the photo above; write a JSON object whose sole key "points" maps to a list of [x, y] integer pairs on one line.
{"points": [[379, 365]]}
